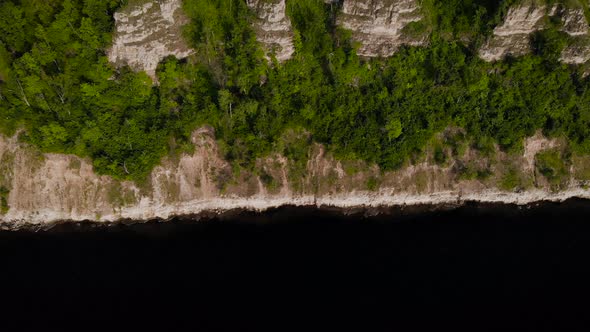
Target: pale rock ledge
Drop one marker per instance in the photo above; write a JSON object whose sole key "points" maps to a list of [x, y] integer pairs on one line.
{"points": [[576, 26], [378, 24], [513, 36], [273, 28], [147, 33]]}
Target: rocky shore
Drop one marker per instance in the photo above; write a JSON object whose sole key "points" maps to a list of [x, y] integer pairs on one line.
{"points": [[48, 188]]}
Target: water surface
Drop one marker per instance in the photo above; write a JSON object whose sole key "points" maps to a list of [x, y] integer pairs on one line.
{"points": [[492, 264]]}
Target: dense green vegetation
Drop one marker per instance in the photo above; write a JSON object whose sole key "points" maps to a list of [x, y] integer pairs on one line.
{"points": [[56, 83], [473, 19]]}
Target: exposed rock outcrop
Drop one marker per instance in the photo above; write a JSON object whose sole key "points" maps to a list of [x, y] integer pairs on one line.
{"points": [[513, 36], [573, 20], [378, 25], [576, 26], [146, 33], [577, 52], [273, 28]]}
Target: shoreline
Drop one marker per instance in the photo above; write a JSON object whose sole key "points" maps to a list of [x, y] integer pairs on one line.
{"points": [[369, 204]]}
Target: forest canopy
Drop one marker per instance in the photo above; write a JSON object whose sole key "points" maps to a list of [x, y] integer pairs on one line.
{"points": [[56, 83]]}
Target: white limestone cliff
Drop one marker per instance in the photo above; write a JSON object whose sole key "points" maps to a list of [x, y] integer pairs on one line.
{"points": [[576, 26], [44, 188], [378, 25], [146, 33], [513, 36], [273, 28]]}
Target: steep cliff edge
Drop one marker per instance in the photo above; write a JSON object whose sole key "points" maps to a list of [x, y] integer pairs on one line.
{"points": [[43, 188], [146, 33], [513, 36], [40, 188], [273, 28], [576, 26], [378, 25]]}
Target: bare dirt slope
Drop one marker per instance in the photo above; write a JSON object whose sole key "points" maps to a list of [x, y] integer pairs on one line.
{"points": [[49, 187]]}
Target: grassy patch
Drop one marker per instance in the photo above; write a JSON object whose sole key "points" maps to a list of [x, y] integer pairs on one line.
{"points": [[119, 196], [268, 180], [553, 165], [416, 29], [471, 171], [512, 180], [421, 181], [582, 168], [6, 165], [295, 145], [352, 167], [4, 200], [373, 183], [440, 156], [456, 141], [75, 164]]}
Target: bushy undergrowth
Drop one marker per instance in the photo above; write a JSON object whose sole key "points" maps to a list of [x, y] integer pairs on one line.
{"points": [[56, 82]]}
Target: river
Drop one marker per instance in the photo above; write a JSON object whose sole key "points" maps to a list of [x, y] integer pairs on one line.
{"points": [[238, 271]]}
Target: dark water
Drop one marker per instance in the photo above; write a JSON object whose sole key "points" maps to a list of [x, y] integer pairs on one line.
{"points": [[483, 267]]}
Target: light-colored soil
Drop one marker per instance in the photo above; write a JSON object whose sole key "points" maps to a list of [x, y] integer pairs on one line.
{"points": [[49, 187]]}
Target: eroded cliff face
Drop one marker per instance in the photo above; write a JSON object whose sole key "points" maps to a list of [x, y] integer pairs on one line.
{"points": [[273, 28], [50, 187], [576, 26], [145, 33], [513, 36], [378, 25], [148, 32]]}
